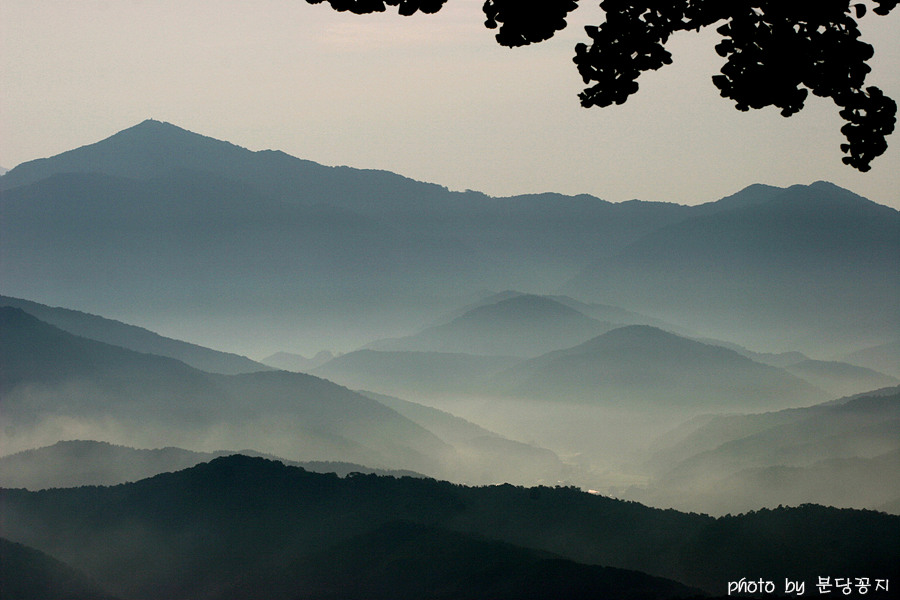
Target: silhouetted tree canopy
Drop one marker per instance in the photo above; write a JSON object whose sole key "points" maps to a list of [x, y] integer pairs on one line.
{"points": [[776, 51]]}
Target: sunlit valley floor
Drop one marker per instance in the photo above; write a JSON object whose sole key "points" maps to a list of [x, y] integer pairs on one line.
{"points": [[411, 425]]}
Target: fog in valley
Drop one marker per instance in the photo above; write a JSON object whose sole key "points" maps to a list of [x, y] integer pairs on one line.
{"points": [[170, 300]]}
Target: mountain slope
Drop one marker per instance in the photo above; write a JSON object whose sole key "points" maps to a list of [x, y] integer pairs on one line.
{"points": [[28, 574], [844, 454], [799, 428], [523, 325], [153, 149], [484, 456], [288, 361], [228, 261], [47, 370], [185, 231], [839, 378], [77, 463], [136, 338], [813, 267], [420, 373], [451, 565], [884, 358], [53, 381], [181, 228], [642, 366]]}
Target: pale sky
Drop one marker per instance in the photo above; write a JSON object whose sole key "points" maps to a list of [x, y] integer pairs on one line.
{"points": [[431, 97]]}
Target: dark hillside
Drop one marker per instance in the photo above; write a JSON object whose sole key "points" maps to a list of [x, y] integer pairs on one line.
{"points": [[209, 528], [404, 560], [28, 574]]}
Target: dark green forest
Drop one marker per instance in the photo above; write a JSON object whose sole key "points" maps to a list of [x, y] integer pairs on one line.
{"points": [[241, 527]]}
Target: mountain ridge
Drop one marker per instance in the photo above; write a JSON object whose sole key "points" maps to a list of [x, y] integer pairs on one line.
{"points": [[286, 512], [50, 375], [217, 222], [642, 363], [814, 259], [136, 338], [520, 325]]}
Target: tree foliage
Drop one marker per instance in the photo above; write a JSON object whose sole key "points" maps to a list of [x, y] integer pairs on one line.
{"points": [[775, 51]]}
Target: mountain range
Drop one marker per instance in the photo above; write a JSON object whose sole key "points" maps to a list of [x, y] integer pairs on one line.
{"points": [[637, 364], [76, 463], [840, 453], [135, 338], [811, 266], [523, 325], [56, 385], [264, 252], [538, 347], [490, 343], [241, 527]]}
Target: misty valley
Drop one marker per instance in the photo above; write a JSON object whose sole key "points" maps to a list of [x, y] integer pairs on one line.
{"points": [[229, 374]]}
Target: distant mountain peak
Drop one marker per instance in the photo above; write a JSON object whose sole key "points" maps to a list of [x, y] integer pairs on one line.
{"points": [[166, 131], [821, 194], [639, 332], [525, 306], [649, 338], [149, 149]]}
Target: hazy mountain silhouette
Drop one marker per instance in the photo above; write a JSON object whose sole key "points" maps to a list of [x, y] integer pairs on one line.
{"points": [[178, 226], [50, 377], [29, 574], [840, 378], [56, 385], [813, 267], [484, 456], [421, 373], [136, 338], [884, 358], [261, 251], [202, 532], [154, 149], [83, 462], [844, 454], [642, 366], [182, 228], [523, 325], [296, 362], [49, 371], [773, 359], [835, 377], [195, 248], [601, 312], [77, 463], [873, 408], [751, 195]]}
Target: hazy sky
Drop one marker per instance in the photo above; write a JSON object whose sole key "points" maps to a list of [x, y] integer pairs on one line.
{"points": [[431, 97]]}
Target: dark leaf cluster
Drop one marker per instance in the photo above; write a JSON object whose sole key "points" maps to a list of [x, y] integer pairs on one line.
{"points": [[776, 52], [523, 23], [405, 7]]}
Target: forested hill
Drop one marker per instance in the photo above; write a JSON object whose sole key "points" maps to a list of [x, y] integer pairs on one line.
{"points": [[205, 531]]}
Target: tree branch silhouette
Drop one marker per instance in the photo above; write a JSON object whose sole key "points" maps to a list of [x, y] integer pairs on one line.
{"points": [[776, 51]]}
